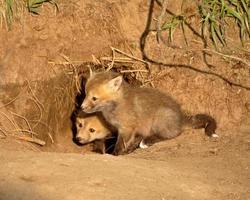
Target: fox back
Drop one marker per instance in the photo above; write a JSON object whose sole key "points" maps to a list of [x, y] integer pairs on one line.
{"points": [[143, 111]]}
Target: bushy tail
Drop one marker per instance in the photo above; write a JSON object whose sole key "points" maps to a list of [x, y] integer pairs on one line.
{"points": [[202, 121]]}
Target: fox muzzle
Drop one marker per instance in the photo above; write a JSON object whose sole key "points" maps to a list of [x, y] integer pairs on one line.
{"points": [[86, 107], [82, 140]]}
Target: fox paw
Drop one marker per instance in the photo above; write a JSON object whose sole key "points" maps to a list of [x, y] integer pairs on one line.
{"points": [[142, 145], [118, 152]]}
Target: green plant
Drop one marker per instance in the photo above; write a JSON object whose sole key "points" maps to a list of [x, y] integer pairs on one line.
{"points": [[215, 13], [34, 5], [11, 9], [176, 21]]}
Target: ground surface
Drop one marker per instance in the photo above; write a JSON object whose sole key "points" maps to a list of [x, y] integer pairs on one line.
{"points": [[37, 93], [180, 169]]}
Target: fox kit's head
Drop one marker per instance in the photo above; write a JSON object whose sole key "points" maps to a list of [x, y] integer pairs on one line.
{"points": [[102, 90], [91, 128]]}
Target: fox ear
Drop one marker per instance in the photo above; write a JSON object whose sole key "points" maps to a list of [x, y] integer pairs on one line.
{"points": [[80, 121], [115, 83], [90, 72]]}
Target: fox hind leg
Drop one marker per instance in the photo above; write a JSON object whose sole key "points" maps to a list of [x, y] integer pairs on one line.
{"points": [[127, 143], [167, 124], [135, 143]]}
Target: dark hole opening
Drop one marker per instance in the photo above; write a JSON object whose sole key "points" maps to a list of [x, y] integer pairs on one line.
{"points": [[109, 142]]}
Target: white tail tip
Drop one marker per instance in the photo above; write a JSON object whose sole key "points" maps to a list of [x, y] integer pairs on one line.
{"points": [[215, 135]]}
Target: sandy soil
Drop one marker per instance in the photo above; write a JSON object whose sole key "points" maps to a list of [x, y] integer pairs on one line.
{"points": [[180, 169]]}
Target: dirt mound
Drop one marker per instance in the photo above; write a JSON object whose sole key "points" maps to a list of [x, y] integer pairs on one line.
{"points": [[70, 176]]}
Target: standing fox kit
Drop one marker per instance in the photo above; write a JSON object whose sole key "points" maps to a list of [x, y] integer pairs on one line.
{"points": [[143, 112], [92, 128]]}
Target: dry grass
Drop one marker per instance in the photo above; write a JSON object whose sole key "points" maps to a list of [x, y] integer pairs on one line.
{"points": [[18, 126], [134, 69]]}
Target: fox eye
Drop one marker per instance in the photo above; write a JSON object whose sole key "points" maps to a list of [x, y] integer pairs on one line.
{"points": [[91, 130], [80, 125], [94, 98]]}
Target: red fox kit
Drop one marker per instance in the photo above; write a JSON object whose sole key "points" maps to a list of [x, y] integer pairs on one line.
{"points": [[92, 128], [143, 112]]}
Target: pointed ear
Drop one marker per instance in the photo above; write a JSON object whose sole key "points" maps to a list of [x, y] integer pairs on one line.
{"points": [[80, 121], [115, 83], [90, 72]]}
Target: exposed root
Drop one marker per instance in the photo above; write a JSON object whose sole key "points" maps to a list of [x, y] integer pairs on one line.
{"points": [[29, 139], [3, 132], [228, 56]]}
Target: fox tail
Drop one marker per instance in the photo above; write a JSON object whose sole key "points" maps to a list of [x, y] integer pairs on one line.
{"points": [[205, 121]]}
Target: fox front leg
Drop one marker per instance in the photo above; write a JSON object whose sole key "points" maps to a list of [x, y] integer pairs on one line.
{"points": [[99, 146], [124, 144], [119, 146]]}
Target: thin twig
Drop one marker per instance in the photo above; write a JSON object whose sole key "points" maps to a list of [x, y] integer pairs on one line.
{"points": [[32, 140], [75, 79], [159, 22], [51, 138], [33, 94], [47, 126], [77, 62], [142, 77], [11, 121], [10, 101], [120, 59], [22, 117], [25, 131], [40, 113], [65, 57], [110, 66], [95, 60], [228, 56], [134, 70], [130, 56], [4, 132], [113, 58]]}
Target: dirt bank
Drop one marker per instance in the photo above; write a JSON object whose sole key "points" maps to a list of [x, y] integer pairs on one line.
{"points": [[50, 176]]}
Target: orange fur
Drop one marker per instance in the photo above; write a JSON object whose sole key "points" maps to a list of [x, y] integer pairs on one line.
{"points": [[144, 112], [91, 128]]}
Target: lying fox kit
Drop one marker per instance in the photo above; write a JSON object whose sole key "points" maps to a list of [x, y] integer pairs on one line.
{"points": [[144, 112], [92, 128]]}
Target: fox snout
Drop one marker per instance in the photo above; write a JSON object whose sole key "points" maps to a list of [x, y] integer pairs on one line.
{"points": [[87, 107], [84, 107], [81, 140]]}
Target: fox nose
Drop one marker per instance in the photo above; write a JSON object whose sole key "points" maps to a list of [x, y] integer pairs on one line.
{"points": [[81, 140], [83, 107]]}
